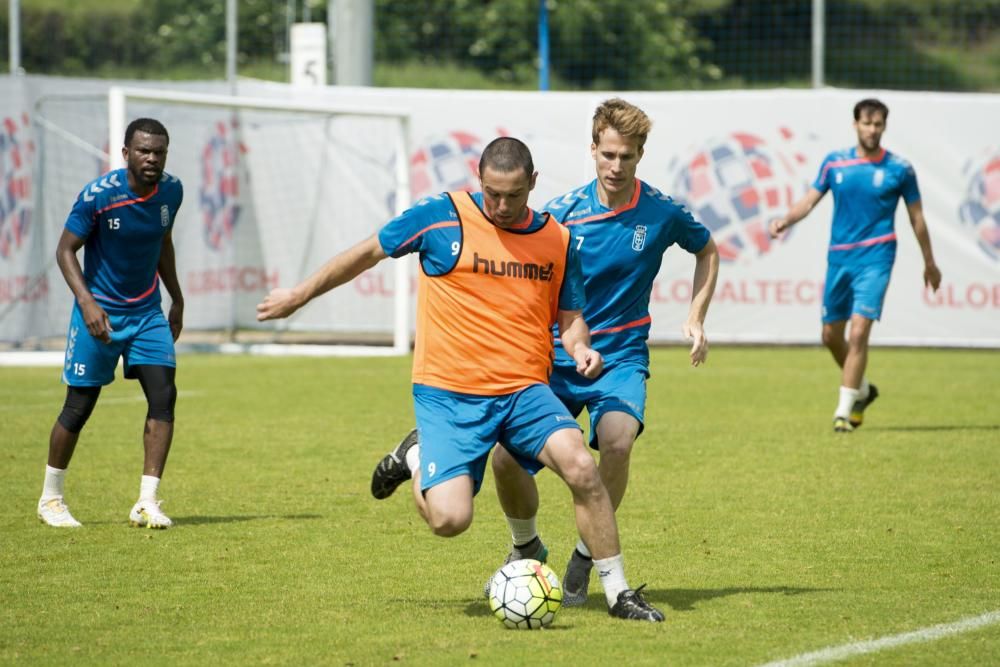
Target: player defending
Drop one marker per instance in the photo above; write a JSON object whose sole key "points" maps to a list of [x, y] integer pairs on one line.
{"points": [[495, 276], [124, 220], [867, 182], [621, 227]]}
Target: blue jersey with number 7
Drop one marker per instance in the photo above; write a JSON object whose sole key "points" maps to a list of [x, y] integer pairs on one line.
{"points": [[621, 251]]}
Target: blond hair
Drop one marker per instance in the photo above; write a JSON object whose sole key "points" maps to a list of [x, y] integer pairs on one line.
{"points": [[626, 119]]}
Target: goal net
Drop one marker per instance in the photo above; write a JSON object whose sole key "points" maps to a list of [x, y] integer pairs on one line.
{"points": [[272, 189]]}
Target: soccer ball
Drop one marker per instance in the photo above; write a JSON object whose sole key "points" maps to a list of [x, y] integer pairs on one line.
{"points": [[525, 594]]}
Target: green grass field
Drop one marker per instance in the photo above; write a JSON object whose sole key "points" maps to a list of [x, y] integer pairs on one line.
{"points": [[761, 533]]}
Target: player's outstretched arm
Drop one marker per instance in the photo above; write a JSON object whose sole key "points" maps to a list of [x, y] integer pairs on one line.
{"points": [[167, 268], [706, 274], [342, 268], [575, 336], [932, 274], [799, 210], [97, 321]]}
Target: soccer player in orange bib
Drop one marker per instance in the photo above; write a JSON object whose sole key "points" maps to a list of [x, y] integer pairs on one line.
{"points": [[495, 276]]}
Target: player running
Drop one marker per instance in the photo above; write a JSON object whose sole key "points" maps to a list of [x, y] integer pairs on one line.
{"points": [[867, 182]]}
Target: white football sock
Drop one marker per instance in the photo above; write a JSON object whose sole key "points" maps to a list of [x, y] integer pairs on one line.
{"points": [[847, 398], [864, 389], [522, 531], [582, 548], [148, 487], [413, 458], [611, 572], [53, 485]]}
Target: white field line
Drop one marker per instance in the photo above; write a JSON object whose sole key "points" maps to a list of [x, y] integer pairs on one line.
{"points": [[932, 633]]}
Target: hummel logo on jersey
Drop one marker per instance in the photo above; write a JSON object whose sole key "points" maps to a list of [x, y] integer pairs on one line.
{"points": [[98, 186], [512, 269], [576, 214], [639, 238], [564, 418], [164, 215], [566, 200], [878, 178]]}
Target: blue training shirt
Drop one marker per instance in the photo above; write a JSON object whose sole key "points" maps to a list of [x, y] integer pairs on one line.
{"points": [[123, 235], [432, 229], [865, 195], [621, 251]]}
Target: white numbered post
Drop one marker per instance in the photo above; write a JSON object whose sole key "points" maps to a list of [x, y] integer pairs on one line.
{"points": [[308, 54]]}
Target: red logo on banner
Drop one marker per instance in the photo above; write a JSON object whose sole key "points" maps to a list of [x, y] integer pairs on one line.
{"points": [[220, 185], [980, 209], [736, 184], [17, 151]]}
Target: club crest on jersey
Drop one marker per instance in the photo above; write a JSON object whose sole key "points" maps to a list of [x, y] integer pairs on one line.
{"points": [[639, 238], [878, 178], [164, 215]]}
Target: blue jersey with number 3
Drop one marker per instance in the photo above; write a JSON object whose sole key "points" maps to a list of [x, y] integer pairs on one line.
{"points": [[123, 234], [621, 251]]}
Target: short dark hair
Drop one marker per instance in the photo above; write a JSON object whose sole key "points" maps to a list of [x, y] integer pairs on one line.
{"points": [[147, 125], [870, 105], [507, 154]]}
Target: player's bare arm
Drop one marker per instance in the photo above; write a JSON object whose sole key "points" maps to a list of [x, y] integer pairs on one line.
{"points": [[575, 336], [932, 274], [706, 274], [799, 210], [342, 268], [167, 268], [97, 321]]}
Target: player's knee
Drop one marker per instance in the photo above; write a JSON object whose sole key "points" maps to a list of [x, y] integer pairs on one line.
{"points": [[503, 463], [161, 392], [830, 338], [579, 471], [77, 408], [449, 523], [618, 447], [161, 402], [858, 337]]}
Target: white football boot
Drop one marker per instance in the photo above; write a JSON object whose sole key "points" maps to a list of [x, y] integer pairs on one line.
{"points": [[147, 514], [53, 511]]}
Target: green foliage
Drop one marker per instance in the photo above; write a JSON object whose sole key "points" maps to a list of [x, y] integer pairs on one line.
{"points": [[761, 533], [628, 44], [594, 44]]}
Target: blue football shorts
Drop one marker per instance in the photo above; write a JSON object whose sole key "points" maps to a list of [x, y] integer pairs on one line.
{"points": [[621, 388], [855, 290], [457, 431], [141, 338]]}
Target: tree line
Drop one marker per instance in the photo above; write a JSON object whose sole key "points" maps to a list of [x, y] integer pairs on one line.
{"points": [[605, 44]]}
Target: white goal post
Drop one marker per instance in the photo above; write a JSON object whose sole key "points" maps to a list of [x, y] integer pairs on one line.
{"points": [[339, 165]]}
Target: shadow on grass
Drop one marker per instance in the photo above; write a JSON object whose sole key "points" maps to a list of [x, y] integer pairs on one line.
{"points": [[685, 599], [937, 427], [677, 599], [199, 520]]}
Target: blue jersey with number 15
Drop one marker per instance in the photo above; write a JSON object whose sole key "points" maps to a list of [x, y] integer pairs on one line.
{"points": [[123, 234], [621, 251]]}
